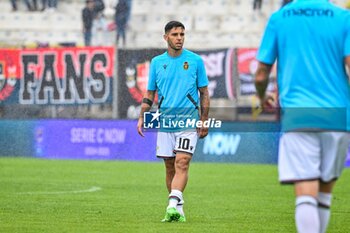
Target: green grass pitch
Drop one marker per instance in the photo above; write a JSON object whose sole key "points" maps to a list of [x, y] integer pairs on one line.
{"points": [[48, 196]]}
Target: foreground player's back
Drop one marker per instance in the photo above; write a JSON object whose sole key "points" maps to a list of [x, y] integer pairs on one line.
{"points": [[312, 36]]}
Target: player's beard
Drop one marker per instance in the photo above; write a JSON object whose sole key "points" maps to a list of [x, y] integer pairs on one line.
{"points": [[174, 47]]}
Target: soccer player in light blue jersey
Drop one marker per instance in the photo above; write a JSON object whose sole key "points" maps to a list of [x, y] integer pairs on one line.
{"points": [[177, 75], [310, 39]]}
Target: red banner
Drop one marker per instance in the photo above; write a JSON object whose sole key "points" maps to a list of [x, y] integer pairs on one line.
{"points": [[9, 63], [59, 58], [246, 60], [57, 75], [246, 66]]}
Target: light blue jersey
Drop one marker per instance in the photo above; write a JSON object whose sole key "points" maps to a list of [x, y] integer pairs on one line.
{"points": [[310, 39], [177, 80]]}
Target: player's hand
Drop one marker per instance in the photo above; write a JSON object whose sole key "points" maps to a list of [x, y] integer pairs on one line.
{"points": [[140, 126], [269, 103], [202, 131]]}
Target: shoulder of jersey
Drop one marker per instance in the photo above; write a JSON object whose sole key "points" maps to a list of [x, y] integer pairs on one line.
{"points": [[160, 57], [192, 55]]}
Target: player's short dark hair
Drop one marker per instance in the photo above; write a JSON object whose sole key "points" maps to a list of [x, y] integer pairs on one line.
{"points": [[173, 24]]}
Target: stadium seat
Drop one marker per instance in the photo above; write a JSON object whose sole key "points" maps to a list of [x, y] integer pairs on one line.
{"points": [[5, 6], [231, 23], [36, 21], [184, 7], [75, 22], [187, 20], [148, 39], [211, 7], [14, 21], [219, 7], [4, 21], [244, 8], [165, 7], [205, 23], [255, 40], [4, 34], [17, 35], [253, 24], [104, 38], [193, 39], [136, 22], [227, 40], [202, 7], [156, 23], [200, 40], [234, 40], [140, 7]]}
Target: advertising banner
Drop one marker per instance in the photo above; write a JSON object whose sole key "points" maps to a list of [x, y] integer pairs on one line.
{"points": [[240, 143], [56, 75], [133, 70], [9, 74], [246, 67], [87, 139], [119, 140], [16, 138]]}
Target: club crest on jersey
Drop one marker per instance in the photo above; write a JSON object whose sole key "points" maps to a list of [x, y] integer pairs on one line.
{"points": [[186, 65]]}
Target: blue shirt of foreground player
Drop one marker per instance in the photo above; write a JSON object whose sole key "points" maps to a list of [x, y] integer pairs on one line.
{"points": [[310, 39], [177, 80]]}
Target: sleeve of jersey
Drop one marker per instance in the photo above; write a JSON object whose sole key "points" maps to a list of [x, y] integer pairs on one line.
{"points": [[347, 38], [152, 86], [267, 52], [202, 80]]}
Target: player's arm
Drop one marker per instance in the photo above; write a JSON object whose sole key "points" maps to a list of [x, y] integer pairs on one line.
{"points": [[347, 62], [204, 105], [261, 82], [146, 105], [346, 52]]}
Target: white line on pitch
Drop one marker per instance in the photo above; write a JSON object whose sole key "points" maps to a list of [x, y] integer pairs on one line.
{"points": [[90, 190]]}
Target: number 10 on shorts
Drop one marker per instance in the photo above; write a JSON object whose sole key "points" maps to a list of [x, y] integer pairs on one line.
{"points": [[184, 144]]}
